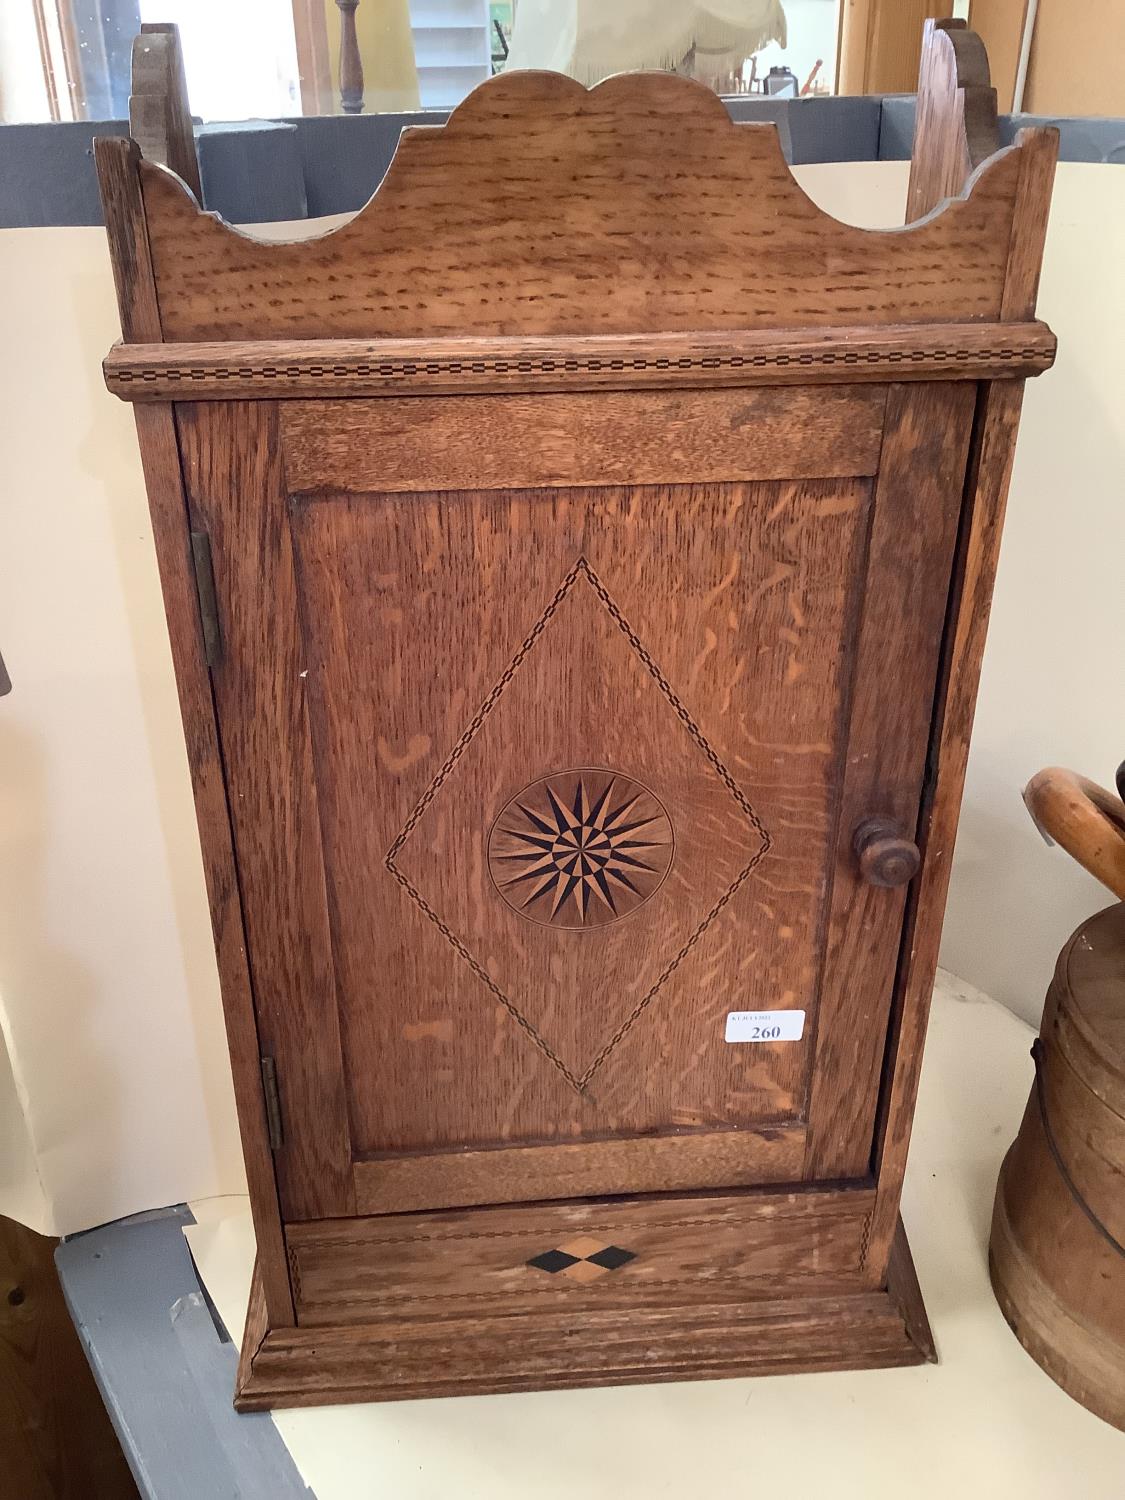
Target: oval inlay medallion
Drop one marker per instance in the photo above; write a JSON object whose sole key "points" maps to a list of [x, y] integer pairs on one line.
{"points": [[580, 848]]}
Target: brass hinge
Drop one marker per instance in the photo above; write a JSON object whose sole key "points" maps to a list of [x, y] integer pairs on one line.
{"points": [[273, 1103], [208, 603]]}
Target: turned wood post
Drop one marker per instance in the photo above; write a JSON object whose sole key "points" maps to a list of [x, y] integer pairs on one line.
{"points": [[351, 64]]}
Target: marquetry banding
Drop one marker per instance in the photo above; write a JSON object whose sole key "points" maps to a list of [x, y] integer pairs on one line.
{"points": [[352, 367]]}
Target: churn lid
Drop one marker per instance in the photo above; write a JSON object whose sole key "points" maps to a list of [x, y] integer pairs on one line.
{"points": [[1086, 1013]]}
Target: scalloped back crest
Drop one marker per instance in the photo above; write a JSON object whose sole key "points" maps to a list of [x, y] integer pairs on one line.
{"points": [[544, 208]]}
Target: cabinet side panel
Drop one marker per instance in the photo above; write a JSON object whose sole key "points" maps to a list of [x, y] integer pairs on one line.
{"points": [[161, 460], [118, 163]]}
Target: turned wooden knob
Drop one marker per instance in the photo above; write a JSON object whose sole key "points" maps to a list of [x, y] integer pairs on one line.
{"points": [[886, 856]]}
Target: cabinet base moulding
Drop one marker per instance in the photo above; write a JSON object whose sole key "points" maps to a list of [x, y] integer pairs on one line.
{"points": [[717, 1334]]}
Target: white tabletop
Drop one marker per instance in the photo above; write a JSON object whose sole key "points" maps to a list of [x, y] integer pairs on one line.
{"points": [[984, 1422]]}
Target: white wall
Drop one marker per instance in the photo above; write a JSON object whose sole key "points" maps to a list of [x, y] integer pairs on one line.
{"points": [[23, 89], [108, 992], [107, 976], [1053, 683]]}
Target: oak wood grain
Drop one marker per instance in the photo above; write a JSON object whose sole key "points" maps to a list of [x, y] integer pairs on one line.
{"points": [[118, 164], [256, 1327], [902, 1285], [234, 484], [568, 546], [589, 438], [955, 126], [1039, 150], [159, 114], [291, 368], [985, 498], [735, 1158], [990, 466], [160, 459], [717, 615], [714, 1335], [914, 531], [635, 206], [478, 1355], [661, 1248]]}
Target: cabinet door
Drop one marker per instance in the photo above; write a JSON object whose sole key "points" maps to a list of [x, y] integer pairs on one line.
{"points": [[547, 722]]}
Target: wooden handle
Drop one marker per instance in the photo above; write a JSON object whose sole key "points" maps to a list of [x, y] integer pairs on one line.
{"points": [[886, 856], [1084, 819]]}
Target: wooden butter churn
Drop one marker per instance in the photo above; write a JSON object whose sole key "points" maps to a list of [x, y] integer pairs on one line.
{"points": [[1057, 1254]]}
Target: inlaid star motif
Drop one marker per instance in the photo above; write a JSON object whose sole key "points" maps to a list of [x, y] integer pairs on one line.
{"points": [[580, 848]]}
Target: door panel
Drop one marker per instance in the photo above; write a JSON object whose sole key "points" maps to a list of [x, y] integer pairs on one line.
{"points": [[472, 647], [533, 786]]}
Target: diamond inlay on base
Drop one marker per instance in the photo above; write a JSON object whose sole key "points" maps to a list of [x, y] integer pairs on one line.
{"points": [[580, 848], [583, 1259]]}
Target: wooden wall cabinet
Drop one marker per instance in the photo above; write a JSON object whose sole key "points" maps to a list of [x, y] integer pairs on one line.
{"points": [[577, 568]]}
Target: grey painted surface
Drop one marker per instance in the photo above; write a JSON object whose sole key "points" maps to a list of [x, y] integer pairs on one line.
{"points": [[844, 129], [165, 1366], [343, 165], [252, 172], [258, 171], [262, 170], [1092, 139], [47, 173]]}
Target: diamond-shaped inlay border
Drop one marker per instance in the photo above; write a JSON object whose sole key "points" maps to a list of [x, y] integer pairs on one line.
{"points": [[584, 1259], [578, 1081]]}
